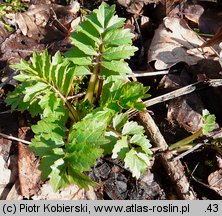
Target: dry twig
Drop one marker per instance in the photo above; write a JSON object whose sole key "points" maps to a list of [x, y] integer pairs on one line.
{"points": [[174, 169]]}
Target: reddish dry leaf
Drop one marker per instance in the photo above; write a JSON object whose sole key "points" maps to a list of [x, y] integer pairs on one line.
{"points": [[215, 181], [136, 6], [18, 46], [71, 192], [211, 20], [193, 12], [36, 21], [29, 175], [3, 32], [185, 111]]}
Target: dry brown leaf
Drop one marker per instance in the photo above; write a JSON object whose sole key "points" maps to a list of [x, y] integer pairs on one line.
{"points": [[171, 43], [215, 181], [184, 111], [136, 6], [71, 192], [193, 12], [34, 22], [29, 175]]}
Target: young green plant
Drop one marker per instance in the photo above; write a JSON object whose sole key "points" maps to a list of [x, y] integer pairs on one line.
{"points": [[208, 125], [71, 135]]}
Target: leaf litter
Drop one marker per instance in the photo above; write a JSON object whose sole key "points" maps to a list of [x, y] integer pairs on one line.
{"points": [[173, 42]]}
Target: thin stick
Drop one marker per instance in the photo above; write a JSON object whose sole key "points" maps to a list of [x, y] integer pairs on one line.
{"points": [[188, 152], [147, 74], [9, 78], [174, 169], [15, 138], [177, 93]]}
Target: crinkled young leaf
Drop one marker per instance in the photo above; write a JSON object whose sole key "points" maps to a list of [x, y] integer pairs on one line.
{"points": [[77, 155], [47, 131], [143, 142], [91, 129], [209, 122], [136, 162], [58, 176], [131, 128], [121, 144]]}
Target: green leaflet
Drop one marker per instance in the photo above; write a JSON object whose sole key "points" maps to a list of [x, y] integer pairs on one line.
{"points": [[84, 43], [143, 142], [120, 52], [78, 57], [120, 120], [131, 146], [209, 123], [34, 90], [40, 78], [92, 128], [123, 95], [104, 14], [118, 37], [131, 128], [121, 144], [120, 67], [136, 162]]}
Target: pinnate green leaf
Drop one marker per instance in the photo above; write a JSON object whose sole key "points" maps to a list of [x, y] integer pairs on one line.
{"points": [[120, 95]]}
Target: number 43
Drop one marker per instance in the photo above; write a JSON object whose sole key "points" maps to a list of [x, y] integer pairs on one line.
{"points": [[212, 208]]}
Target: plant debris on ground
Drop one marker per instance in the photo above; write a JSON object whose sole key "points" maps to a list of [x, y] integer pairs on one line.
{"points": [[110, 99]]}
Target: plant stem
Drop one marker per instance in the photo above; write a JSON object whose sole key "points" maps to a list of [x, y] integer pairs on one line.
{"points": [[72, 112], [92, 84], [186, 140], [94, 77]]}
